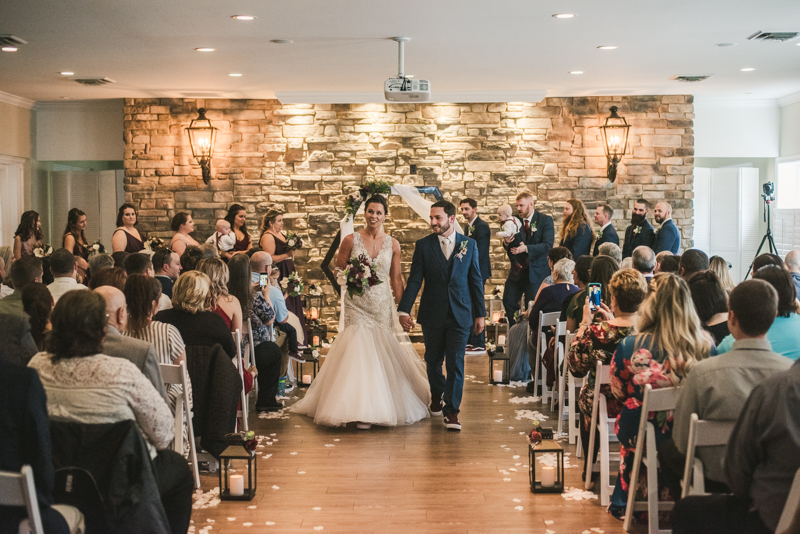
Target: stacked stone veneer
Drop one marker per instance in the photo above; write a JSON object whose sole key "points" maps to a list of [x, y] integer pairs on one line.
{"points": [[306, 158]]}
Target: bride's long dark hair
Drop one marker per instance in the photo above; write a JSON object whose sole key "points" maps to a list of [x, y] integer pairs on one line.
{"points": [[378, 199]]}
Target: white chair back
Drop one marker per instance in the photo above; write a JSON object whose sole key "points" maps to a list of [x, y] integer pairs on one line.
{"points": [[603, 425], [790, 509], [252, 352], [702, 434], [242, 412], [177, 374], [18, 489], [546, 320], [567, 391]]}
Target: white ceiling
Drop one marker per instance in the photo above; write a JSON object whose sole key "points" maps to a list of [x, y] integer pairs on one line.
{"points": [[147, 46]]}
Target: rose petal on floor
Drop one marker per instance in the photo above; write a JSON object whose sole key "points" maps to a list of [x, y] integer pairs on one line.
{"points": [[276, 487], [518, 508]]}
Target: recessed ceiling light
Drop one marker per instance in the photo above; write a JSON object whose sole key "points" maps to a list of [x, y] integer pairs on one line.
{"points": [[725, 45], [234, 74], [798, 44], [576, 72], [747, 69], [607, 47], [205, 49], [243, 17], [67, 73], [563, 15], [282, 41], [9, 49]]}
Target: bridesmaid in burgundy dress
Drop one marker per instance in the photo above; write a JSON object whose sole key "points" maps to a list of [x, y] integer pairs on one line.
{"points": [[237, 217], [74, 238], [273, 242], [126, 236]]}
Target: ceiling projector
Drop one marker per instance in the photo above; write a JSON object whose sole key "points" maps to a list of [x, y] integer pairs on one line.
{"points": [[404, 88]]}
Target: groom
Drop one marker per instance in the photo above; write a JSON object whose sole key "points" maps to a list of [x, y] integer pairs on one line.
{"points": [[451, 304]]}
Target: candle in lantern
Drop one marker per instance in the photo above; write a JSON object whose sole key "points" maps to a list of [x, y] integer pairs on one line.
{"points": [[496, 317], [237, 485], [548, 476], [315, 341], [306, 379], [501, 339], [497, 375], [314, 314]]}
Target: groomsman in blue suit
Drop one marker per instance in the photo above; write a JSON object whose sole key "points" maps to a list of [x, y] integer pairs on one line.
{"points": [[640, 232], [477, 229], [667, 237], [607, 233], [452, 304], [537, 236]]}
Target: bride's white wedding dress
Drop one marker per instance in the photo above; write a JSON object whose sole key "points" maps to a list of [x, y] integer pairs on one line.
{"points": [[371, 374]]}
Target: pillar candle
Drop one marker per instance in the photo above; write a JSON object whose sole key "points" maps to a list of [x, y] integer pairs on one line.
{"points": [[495, 317], [314, 313], [315, 341], [501, 339], [497, 375], [237, 485], [306, 379], [548, 476]]}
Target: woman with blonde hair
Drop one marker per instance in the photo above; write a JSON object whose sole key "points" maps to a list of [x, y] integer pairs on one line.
{"points": [[720, 267], [221, 302], [669, 341], [576, 231]]}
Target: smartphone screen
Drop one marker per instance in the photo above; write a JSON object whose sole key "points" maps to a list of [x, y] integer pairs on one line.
{"points": [[264, 279], [594, 296]]}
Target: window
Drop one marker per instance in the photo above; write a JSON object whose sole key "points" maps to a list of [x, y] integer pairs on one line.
{"points": [[788, 185]]}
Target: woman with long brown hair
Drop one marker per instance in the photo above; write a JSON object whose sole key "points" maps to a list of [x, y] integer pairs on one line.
{"points": [[28, 235], [74, 238], [576, 230], [183, 225], [237, 217], [129, 240], [221, 302]]}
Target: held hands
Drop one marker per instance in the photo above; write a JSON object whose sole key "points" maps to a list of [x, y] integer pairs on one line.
{"points": [[406, 322], [479, 325]]}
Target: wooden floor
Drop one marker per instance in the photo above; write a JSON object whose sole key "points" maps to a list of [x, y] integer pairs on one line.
{"points": [[412, 479]]}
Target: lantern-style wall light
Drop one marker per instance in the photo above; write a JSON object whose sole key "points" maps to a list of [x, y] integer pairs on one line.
{"points": [[202, 136], [615, 141]]}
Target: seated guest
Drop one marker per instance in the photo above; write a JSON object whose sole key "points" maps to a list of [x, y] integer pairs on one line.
{"points": [[784, 334], [761, 459], [25, 440], [597, 339], [119, 258], [763, 260], [576, 232], [553, 255], [611, 250], [62, 265], [717, 388], [711, 302], [114, 277], [6, 259], [607, 234], [659, 259], [167, 266], [670, 264], [692, 262], [140, 353], [261, 262], [84, 385], [196, 324], [627, 263], [16, 342], [209, 251], [792, 264], [140, 264], [644, 261], [38, 304], [98, 262], [225, 305], [723, 271], [603, 268], [190, 257], [669, 341]]}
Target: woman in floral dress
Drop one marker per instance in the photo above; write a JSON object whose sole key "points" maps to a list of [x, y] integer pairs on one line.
{"points": [[670, 340]]}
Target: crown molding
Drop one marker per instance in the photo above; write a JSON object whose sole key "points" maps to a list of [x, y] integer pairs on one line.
{"points": [[469, 97], [15, 100], [716, 104], [789, 99], [108, 104]]}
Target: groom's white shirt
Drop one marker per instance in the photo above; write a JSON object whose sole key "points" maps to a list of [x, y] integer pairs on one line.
{"points": [[448, 241]]}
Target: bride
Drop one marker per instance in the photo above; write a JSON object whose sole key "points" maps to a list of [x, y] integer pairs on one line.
{"points": [[372, 374]]}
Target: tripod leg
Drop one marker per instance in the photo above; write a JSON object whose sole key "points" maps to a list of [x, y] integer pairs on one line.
{"points": [[758, 252]]}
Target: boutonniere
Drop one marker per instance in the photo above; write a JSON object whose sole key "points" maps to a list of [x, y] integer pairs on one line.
{"points": [[533, 227], [462, 250], [471, 229], [637, 230], [600, 234]]}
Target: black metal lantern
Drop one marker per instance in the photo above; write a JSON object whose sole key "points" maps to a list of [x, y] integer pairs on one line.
{"points": [[546, 478], [202, 136], [501, 375], [237, 470], [615, 140]]}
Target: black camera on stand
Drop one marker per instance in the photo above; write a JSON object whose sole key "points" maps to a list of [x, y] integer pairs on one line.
{"points": [[769, 192], [769, 197]]}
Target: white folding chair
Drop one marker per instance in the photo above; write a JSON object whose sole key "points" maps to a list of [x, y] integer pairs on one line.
{"points": [[242, 412], [655, 400], [605, 427], [791, 507], [545, 320], [558, 359], [252, 352], [176, 374], [18, 489], [702, 433], [567, 391]]}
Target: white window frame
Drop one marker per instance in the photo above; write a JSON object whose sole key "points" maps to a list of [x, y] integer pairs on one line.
{"points": [[787, 201]]}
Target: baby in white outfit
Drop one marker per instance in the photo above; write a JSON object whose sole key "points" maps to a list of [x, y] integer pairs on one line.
{"points": [[511, 225], [223, 238]]}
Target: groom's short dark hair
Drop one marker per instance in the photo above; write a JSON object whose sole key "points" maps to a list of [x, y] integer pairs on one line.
{"points": [[448, 207]]}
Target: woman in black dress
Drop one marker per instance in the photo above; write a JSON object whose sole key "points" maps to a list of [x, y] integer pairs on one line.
{"points": [[74, 238], [237, 217], [126, 236]]}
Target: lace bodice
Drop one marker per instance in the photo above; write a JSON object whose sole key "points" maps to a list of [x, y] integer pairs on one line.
{"points": [[377, 305]]}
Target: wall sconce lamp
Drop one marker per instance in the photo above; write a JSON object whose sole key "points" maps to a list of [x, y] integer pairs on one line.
{"points": [[615, 141], [202, 136]]}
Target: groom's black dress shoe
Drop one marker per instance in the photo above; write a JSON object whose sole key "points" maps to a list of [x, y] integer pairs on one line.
{"points": [[436, 406]]}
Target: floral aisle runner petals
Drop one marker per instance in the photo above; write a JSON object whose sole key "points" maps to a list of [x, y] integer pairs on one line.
{"points": [[530, 414], [209, 499], [524, 400], [578, 494]]}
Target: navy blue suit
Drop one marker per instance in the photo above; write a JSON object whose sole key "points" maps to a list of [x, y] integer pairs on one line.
{"points": [[482, 236], [581, 243], [645, 236], [668, 238], [609, 236], [451, 301], [527, 283]]}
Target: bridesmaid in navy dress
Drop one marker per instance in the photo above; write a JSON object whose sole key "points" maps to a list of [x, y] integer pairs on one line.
{"points": [[576, 232], [126, 236], [273, 242], [237, 217]]}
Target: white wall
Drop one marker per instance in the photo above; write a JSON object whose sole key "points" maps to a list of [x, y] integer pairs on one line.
{"points": [[88, 130], [737, 129], [790, 129]]}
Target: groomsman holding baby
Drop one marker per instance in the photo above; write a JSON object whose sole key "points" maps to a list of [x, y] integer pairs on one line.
{"points": [[477, 229]]}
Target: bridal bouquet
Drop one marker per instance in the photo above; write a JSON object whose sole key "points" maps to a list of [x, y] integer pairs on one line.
{"points": [[96, 248], [293, 241], [292, 284], [358, 275], [154, 244], [43, 251]]}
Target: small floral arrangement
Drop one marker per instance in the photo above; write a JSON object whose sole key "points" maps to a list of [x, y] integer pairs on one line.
{"points": [[293, 241], [375, 187], [535, 435], [292, 284], [43, 251], [462, 250], [497, 293], [154, 244], [310, 354], [491, 348], [314, 290], [518, 316], [245, 439], [358, 275], [96, 248]]}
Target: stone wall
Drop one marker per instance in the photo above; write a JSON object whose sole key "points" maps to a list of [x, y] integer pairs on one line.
{"points": [[305, 159]]}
